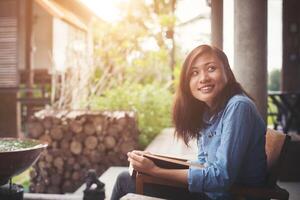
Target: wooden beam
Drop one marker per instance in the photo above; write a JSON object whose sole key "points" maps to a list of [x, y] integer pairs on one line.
{"points": [[28, 45]]}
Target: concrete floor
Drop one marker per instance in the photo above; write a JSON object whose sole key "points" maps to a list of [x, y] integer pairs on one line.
{"points": [[293, 188]]}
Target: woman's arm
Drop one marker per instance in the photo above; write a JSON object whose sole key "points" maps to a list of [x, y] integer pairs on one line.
{"points": [[143, 164]]}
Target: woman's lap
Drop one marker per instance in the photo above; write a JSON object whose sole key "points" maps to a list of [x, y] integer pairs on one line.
{"points": [[126, 184]]}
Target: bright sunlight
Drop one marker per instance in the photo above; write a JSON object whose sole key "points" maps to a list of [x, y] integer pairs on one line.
{"points": [[106, 10]]}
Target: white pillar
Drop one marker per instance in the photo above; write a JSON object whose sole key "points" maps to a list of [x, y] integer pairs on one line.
{"points": [[250, 49]]}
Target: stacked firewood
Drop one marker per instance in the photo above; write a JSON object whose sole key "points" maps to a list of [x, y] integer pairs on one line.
{"points": [[78, 141]]}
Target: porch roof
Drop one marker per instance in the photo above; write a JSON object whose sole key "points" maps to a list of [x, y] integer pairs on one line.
{"points": [[58, 11]]}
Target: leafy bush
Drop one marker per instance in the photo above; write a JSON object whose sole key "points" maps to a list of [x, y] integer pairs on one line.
{"points": [[274, 80], [151, 102]]}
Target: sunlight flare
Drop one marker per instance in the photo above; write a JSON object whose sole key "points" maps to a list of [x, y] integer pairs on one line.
{"points": [[106, 10]]}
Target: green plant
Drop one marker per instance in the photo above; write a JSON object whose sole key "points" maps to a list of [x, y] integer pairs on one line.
{"points": [[274, 80], [151, 102], [272, 112], [23, 179]]}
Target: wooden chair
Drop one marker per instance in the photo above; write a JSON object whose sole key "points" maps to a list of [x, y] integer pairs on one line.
{"points": [[276, 147]]}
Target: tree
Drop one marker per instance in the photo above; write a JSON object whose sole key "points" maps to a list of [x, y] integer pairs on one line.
{"points": [[129, 74], [274, 80], [121, 48]]}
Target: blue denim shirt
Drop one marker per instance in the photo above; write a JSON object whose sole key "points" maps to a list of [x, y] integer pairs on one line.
{"points": [[232, 147]]}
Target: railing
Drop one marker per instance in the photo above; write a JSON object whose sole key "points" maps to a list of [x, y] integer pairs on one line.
{"points": [[32, 103], [286, 114]]}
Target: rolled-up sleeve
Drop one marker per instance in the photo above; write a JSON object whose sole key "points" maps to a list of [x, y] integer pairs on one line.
{"points": [[237, 127]]}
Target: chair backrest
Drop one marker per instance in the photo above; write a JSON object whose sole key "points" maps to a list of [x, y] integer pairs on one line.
{"points": [[276, 148]]}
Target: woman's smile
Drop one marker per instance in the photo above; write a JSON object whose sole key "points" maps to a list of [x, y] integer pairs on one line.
{"points": [[206, 88], [208, 78]]}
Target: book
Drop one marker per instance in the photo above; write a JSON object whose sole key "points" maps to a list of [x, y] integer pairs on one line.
{"points": [[166, 162]]}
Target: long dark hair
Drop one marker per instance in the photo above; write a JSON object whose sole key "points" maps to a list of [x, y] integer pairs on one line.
{"points": [[187, 110]]}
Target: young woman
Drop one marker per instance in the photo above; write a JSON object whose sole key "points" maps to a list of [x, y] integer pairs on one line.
{"points": [[211, 106]]}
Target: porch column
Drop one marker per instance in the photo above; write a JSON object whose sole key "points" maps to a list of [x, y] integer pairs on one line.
{"points": [[10, 113], [250, 49], [290, 81], [217, 23]]}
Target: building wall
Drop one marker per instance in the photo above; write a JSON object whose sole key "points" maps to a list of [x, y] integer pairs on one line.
{"points": [[59, 43], [69, 46], [41, 38], [55, 42], [9, 107], [8, 43]]}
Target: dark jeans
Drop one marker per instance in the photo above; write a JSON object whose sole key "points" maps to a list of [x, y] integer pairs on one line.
{"points": [[126, 184]]}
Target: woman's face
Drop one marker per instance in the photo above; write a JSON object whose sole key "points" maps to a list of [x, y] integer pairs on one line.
{"points": [[208, 78]]}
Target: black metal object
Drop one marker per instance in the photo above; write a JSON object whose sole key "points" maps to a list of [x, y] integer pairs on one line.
{"points": [[94, 187], [14, 162], [288, 110], [11, 191]]}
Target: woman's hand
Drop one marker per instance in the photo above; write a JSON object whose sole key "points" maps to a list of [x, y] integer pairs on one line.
{"points": [[141, 163]]}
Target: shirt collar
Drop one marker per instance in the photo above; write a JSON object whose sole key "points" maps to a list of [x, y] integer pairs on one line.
{"points": [[210, 119]]}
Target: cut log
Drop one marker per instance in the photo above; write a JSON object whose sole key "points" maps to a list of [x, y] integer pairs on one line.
{"points": [[80, 137], [39, 187], [76, 166], [47, 182], [35, 129], [65, 144], [47, 123], [54, 145], [56, 133], [89, 128], [126, 147], [101, 147], [81, 119], [101, 138], [68, 135], [75, 126], [53, 190], [41, 164], [99, 124], [55, 179], [96, 157], [71, 161], [78, 141], [109, 142], [76, 147], [46, 138], [56, 121], [91, 142], [67, 186], [58, 162], [49, 158], [84, 161], [76, 176], [113, 130], [67, 174], [33, 173]]}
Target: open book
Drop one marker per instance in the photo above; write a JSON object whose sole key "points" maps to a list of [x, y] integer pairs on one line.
{"points": [[167, 162]]}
